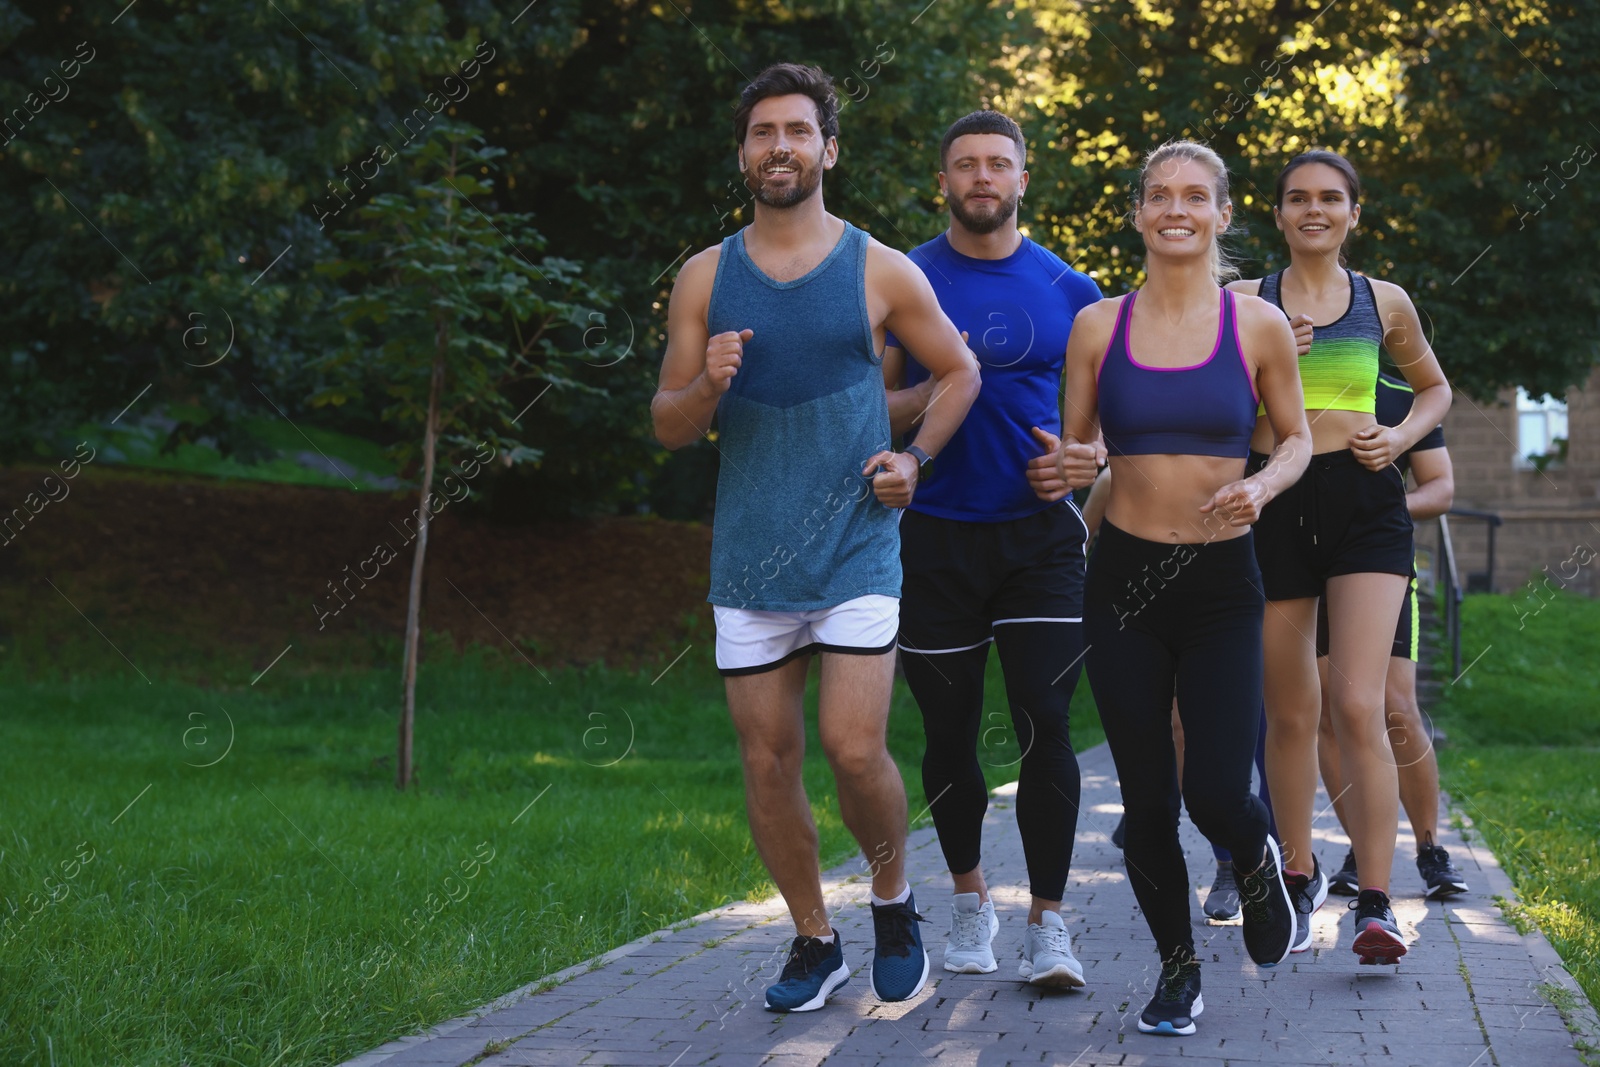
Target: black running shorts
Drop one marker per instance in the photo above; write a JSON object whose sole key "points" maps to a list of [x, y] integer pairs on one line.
{"points": [[1339, 518], [961, 579]]}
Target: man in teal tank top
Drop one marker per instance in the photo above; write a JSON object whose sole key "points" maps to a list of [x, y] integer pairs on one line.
{"points": [[778, 333]]}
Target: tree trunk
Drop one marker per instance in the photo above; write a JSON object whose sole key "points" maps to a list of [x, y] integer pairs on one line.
{"points": [[430, 440]]}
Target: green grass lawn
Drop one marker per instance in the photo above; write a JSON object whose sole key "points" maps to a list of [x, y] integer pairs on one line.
{"points": [[285, 905], [1524, 761]]}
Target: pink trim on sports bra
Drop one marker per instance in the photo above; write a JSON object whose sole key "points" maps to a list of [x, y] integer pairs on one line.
{"points": [[1239, 347], [1115, 332], [1216, 346]]}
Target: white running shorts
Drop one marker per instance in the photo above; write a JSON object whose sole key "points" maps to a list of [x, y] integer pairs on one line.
{"points": [[749, 642]]}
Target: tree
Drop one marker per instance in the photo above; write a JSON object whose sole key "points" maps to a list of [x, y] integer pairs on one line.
{"points": [[178, 172], [618, 120], [1467, 122], [452, 314]]}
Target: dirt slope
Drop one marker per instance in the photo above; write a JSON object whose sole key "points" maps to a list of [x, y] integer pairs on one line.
{"points": [[155, 558]]}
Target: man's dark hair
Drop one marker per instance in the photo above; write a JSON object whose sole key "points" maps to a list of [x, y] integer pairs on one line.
{"points": [[984, 122], [785, 79]]}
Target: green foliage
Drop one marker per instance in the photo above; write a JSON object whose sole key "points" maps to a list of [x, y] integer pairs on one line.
{"points": [[439, 287], [200, 143], [1447, 113], [185, 159]]}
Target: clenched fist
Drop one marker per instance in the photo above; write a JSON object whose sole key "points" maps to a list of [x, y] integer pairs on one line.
{"points": [[1043, 476], [1238, 503], [1301, 325], [1079, 464], [1376, 447], [724, 354], [894, 477]]}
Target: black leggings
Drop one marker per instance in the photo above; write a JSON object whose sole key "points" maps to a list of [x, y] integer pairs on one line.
{"points": [[1041, 664], [1158, 618]]}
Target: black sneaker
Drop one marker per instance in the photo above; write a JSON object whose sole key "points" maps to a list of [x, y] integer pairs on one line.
{"points": [[1177, 1002], [1308, 892], [1268, 911], [1120, 834], [1222, 903], [1344, 882], [1433, 863], [1377, 935]]}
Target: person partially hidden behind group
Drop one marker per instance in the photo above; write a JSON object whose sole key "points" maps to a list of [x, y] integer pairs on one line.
{"points": [[1416, 762]]}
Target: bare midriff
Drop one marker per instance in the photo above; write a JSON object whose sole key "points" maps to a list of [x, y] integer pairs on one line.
{"points": [[1331, 430], [1158, 497]]}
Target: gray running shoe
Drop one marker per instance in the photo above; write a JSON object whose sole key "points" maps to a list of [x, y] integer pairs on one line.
{"points": [[1222, 903], [1047, 957], [970, 949], [1377, 939]]}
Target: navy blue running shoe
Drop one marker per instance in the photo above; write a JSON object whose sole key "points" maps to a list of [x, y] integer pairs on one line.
{"points": [[1177, 1003], [899, 962], [814, 970]]}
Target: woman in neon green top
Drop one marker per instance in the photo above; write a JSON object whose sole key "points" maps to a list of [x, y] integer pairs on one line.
{"points": [[1342, 533]]}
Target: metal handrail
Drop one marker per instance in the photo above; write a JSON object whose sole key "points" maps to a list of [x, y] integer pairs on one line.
{"points": [[1494, 522], [1453, 592]]}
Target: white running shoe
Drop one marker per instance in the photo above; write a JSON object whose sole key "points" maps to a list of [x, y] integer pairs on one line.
{"points": [[1047, 957], [970, 949]]}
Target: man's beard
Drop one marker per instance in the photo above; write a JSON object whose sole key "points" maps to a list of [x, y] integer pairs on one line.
{"points": [[807, 180], [988, 221]]}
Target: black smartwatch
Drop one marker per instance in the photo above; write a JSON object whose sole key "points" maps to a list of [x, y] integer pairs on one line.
{"points": [[924, 462]]}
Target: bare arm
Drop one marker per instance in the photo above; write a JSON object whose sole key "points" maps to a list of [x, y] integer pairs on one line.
{"points": [[1301, 324], [914, 316], [1378, 446], [905, 405], [1270, 344], [1083, 452], [1094, 509], [1436, 484], [690, 386]]}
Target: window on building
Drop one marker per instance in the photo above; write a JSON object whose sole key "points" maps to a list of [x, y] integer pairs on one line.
{"points": [[1541, 430]]}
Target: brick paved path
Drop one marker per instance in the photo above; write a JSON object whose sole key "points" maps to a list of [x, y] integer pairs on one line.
{"points": [[1468, 995]]}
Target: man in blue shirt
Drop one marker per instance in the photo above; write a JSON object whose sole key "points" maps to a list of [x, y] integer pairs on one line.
{"points": [[992, 545]]}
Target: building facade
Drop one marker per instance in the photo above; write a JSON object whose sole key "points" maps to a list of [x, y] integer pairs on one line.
{"points": [[1549, 505]]}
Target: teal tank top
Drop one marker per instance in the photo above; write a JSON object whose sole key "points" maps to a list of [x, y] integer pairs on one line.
{"points": [[797, 527]]}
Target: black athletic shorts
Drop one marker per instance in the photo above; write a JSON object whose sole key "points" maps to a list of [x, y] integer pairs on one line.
{"points": [[1406, 632], [961, 579], [1339, 518]]}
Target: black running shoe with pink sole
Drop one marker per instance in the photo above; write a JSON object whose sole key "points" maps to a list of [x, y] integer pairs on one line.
{"points": [[1378, 938]]}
